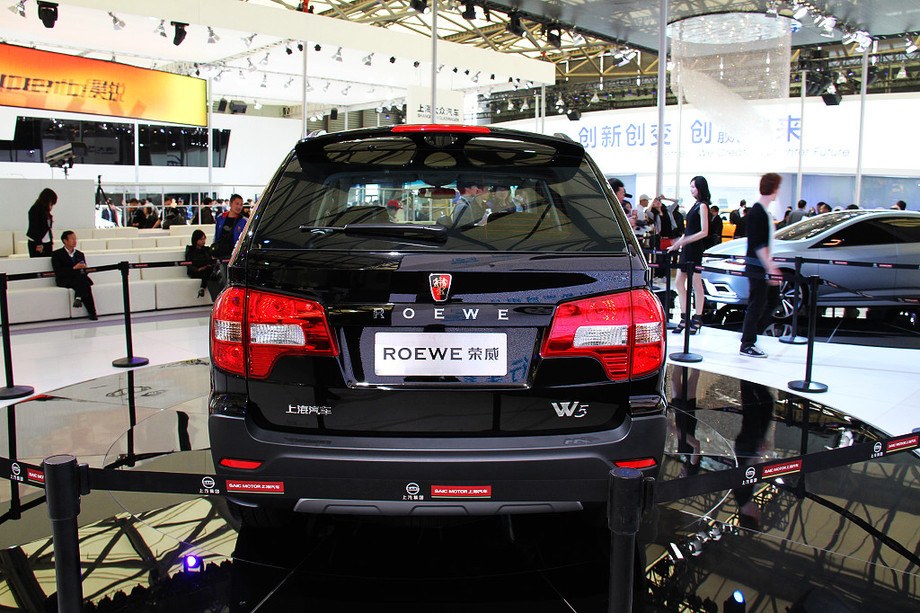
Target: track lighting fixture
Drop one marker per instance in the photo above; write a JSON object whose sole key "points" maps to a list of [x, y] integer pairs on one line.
{"points": [[264, 81], [392, 59], [469, 13], [264, 60], [117, 23], [19, 8], [247, 40], [554, 36], [337, 56], [415, 64], [48, 13], [367, 59], [317, 47], [161, 29], [300, 46], [212, 37], [475, 77], [180, 34], [346, 90], [419, 6]]}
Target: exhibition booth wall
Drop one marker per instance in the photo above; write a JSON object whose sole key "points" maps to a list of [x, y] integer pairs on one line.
{"points": [[623, 143]]}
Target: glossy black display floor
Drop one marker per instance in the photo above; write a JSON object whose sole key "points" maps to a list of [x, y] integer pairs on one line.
{"points": [[844, 539]]}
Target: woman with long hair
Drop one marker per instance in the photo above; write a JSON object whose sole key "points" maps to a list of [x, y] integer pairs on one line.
{"points": [[202, 265], [40, 222], [691, 245]]}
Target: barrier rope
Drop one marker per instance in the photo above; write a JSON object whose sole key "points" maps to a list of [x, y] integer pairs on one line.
{"points": [[590, 490]]}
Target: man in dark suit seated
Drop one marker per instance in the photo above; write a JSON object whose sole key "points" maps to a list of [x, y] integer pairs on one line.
{"points": [[69, 271]]}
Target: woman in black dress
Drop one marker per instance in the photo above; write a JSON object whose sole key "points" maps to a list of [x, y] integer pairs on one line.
{"points": [[691, 245], [40, 221], [202, 265]]}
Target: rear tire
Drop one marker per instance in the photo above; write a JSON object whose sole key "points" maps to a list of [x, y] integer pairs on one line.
{"points": [[787, 303]]}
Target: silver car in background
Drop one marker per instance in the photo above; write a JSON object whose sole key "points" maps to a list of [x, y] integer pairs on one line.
{"points": [[876, 237]]}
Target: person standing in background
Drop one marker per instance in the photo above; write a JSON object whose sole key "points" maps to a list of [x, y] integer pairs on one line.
{"points": [[798, 214], [759, 260], [227, 231], [715, 227], [40, 222], [691, 245]]}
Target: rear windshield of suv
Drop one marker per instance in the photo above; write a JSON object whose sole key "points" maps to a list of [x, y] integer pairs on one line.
{"points": [[438, 192]]}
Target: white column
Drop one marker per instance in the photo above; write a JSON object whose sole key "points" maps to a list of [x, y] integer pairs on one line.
{"points": [[798, 189], [862, 123]]}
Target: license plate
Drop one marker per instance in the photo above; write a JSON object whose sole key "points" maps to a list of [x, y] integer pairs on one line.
{"points": [[461, 354]]}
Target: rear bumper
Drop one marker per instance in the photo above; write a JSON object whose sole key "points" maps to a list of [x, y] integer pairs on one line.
{"points": [[433, 476]]}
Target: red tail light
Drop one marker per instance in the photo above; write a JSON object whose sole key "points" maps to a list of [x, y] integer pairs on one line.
{"points": [[441, 127], [240, 464], [643, 463], [251, 330], [624, 332]]}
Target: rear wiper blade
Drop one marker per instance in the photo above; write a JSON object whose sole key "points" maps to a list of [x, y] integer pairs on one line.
{"points": [[434, 234]]}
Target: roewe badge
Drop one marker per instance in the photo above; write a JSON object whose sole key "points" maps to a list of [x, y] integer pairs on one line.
{"points": [[440, 286]]}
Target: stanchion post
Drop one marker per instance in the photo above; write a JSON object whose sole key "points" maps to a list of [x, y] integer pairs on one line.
{"points": [[794, 338], [131, 360], [132, 419], [807, 385], [624, 511], [11, 390], [669, 325], [15, 509], [686, 355], [62, 491]]}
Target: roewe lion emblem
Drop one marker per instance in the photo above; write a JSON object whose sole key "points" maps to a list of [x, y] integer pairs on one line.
{"points": [[440, 286]]}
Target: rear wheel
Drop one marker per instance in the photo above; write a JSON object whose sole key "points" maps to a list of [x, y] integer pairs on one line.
{"points": [[788, 301]]}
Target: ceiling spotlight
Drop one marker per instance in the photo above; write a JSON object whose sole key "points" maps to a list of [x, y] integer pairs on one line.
{"points": [[161, 29], [510, 105], [19, 8], [218, 75], [264, 60], [289, 82], [264, 82], [257, 105], [250, 66], [525, 106], [48, 12], [326, 86], [578, 39], [911, 47], [773, 8], [300, 46], [841, 78], [308, 87], [117, 23], [469, 13], [419, 6], [902, 73], [212, 37], [440, 67], [179, 36], [337, 56], [367, 59], [514, 25], [415, 64], [595, 98], [288, 50], [559, 101], [475, 77], [317, 47], [392, 59], [492, 77], [247, 40], [554, 37], [346, 90]]}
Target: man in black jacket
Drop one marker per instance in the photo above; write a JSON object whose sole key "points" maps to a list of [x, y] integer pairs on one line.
{"points": [[69, 271], [759, 261]]}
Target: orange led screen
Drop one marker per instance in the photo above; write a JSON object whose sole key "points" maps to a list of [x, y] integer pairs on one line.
{"points": [[57, 82]]}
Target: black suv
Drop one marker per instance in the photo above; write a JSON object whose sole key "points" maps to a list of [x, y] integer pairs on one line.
{"points": [[435, 320]]}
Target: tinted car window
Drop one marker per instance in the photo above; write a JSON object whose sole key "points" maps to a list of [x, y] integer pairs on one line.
{"points": [[813, 226], [905, 229], [869, 232], [535, 198]]}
